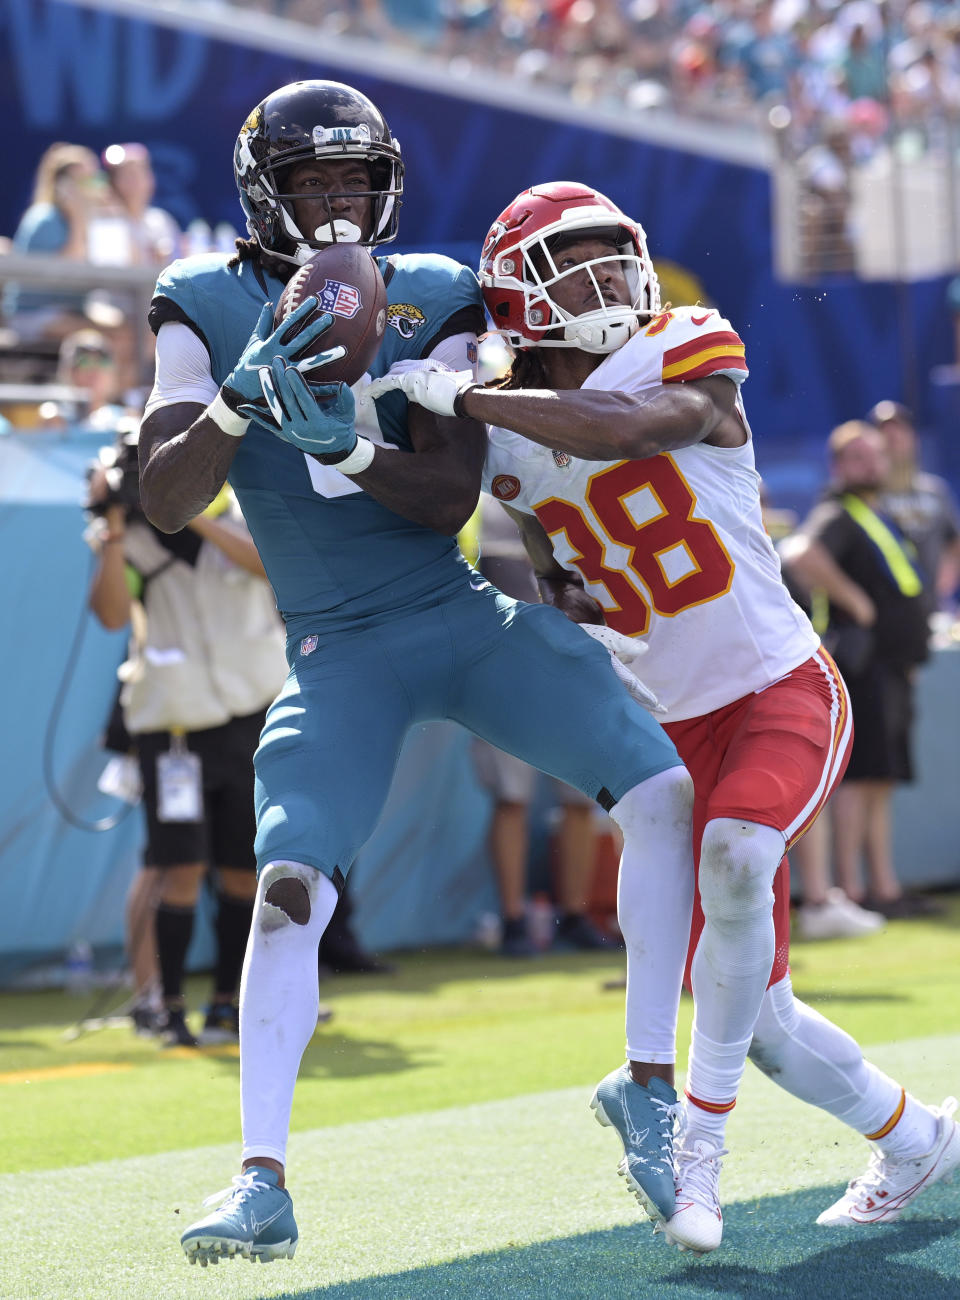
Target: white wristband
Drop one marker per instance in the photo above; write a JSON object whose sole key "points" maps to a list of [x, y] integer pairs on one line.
{"points": [[359, 459], [227, 421]]}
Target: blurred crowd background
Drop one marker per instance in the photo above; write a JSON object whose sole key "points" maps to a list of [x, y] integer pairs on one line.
{"points": [[795, 164]]}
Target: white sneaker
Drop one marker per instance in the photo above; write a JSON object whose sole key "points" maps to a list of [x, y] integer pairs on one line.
{"points": [[697, 1224], [839, 917], [891, 1183]]}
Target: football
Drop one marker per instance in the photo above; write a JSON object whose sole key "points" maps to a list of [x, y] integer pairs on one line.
{"points": [[348, 284]]}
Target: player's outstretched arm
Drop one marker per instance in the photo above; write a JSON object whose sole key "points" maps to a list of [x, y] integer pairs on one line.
{"points": [[590, 424], [597, 425]]}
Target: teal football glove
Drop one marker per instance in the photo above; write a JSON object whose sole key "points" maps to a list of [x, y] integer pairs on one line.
{"points": [[248, 389], [317, 418]]}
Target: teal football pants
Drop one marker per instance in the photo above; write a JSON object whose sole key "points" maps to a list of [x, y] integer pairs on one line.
{"points": [[524, 677]]}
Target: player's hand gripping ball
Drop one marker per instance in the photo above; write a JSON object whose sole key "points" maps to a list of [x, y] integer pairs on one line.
{"points": [[347, 284]]}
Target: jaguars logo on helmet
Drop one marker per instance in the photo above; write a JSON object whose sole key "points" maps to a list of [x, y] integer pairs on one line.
{"points": [[313, 120]]}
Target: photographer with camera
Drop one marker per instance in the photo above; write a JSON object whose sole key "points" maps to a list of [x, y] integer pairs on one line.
{"points": [[206, 658]]}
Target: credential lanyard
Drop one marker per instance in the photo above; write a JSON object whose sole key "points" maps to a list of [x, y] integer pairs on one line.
{"points": [[896, 558]]}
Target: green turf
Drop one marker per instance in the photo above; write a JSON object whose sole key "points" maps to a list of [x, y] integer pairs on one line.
{"points": [[511, 1199], [450, 1026]]}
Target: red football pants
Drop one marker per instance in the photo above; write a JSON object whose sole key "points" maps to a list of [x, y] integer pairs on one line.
{"points": [[772, 757]]}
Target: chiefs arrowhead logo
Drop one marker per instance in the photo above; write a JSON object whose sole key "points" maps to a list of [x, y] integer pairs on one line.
{"points": [[505, 487]]}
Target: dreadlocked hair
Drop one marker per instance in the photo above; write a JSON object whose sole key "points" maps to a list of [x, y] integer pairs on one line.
{"points": [[249, 250], [526, 372]]}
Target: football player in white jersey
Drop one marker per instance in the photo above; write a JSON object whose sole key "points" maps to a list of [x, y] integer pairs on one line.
{"points": [[619, 442]]}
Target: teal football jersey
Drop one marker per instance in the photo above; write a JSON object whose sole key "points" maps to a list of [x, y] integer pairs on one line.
{"points": [[332, 553]]}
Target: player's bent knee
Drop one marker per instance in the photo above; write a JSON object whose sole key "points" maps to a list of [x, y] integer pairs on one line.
{"points": [[285, 886], [291, 897], [738, 861], [669, 792]]}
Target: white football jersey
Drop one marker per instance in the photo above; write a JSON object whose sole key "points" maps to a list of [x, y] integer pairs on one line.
{"points": [[673, 546]]}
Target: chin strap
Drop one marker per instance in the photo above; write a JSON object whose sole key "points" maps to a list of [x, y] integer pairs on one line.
{"points": [[604, 335]]}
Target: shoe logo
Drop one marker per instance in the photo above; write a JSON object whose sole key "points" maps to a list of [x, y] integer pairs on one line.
{"points": [[698, 320], [258, 1225]]}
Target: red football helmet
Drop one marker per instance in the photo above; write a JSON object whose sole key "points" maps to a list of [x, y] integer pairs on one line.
{"points": [[517, 269]]}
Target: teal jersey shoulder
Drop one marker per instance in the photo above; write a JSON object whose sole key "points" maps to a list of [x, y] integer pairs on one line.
{"points": [[334, 555], [428, 298]]}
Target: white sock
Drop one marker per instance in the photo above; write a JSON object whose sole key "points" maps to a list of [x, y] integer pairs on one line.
{"points": [[732, 962], [818, 1062], [654, 908], [279, 1000], [713, 1081], [909, 1132]]}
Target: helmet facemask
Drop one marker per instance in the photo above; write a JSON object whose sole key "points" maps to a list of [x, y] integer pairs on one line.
{"points": [[383, 194], [526, 269], [601, 329]]}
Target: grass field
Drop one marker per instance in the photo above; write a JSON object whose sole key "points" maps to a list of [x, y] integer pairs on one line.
{"points": [[443, 1147]]}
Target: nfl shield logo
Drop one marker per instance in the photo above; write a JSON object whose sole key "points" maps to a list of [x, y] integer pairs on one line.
{"points": [[339, 298], [309, 644], [561, 459]]}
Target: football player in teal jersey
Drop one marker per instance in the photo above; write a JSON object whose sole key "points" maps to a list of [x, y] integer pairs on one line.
{"points": [[387, 624]]}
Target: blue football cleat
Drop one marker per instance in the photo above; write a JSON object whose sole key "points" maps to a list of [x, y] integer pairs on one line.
{"points": [[255, 1220], [645, 1118]]}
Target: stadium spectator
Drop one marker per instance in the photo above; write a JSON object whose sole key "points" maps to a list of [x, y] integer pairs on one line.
{"points": [[674, 551], [68, 193], [922, 504], [864, 66], [877, 629], [87, 367], [823, 910], [129, 231], [386, 623], [763, 53], [206, 657]]}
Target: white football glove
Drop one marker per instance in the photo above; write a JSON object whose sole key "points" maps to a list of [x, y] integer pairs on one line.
{"points": [[624, 653], [430, 384]]}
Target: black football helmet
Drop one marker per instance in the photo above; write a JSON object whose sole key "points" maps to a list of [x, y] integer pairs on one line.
{"points": [[305, 120]]}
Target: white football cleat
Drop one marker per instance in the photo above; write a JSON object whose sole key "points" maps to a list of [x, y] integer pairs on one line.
{"points": [[891, 1182], [838, 917], [697, 1224]]}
